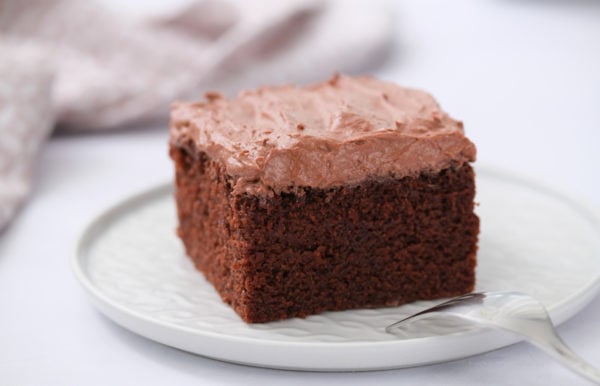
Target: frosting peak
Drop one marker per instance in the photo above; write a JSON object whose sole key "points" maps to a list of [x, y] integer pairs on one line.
{"points": [[340, 131]]}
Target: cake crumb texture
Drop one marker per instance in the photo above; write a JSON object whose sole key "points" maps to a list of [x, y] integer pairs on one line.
{"points": [[382, 242]]}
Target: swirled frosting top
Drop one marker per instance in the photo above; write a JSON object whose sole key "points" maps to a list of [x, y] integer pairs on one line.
{"points": [[340, 131]]}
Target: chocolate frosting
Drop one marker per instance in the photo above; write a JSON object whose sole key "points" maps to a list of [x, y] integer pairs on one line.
{"points": [[328, 134]]}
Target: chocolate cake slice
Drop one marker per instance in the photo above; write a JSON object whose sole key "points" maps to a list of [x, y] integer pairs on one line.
{"points": [[352, 193]]}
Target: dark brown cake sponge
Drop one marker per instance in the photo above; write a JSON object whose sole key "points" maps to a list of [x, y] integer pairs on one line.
{"points": [[384, 241]]}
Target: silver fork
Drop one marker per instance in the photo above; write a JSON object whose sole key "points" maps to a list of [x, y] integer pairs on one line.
{"points": [[506, 310]]}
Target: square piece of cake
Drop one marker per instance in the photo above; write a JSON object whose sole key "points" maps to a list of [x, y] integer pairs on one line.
{"points": [[351, 193]]}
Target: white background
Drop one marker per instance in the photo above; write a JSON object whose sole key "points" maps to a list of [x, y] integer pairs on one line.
{"points": [[523, 75]]}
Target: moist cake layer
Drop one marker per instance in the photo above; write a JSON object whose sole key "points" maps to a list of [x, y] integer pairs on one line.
{"points": [[329, 134], [379, 242]]}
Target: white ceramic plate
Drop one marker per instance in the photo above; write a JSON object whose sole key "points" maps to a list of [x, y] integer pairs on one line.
{"points": [[133, 267]]}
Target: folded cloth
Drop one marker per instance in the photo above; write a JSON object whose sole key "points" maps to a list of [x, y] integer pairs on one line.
{"points": [[26, 117], [79, 65]]}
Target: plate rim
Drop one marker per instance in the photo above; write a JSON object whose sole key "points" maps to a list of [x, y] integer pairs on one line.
{"points": [[559, 312]]}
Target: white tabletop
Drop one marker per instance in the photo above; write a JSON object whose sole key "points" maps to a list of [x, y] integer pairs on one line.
{"points": [[523, 75]]}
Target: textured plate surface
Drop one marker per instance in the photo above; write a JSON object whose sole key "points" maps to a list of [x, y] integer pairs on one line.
{"points": [[133, 266]]}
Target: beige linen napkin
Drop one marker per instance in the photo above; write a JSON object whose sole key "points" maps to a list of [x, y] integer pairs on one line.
{"points": [[81, 65]]}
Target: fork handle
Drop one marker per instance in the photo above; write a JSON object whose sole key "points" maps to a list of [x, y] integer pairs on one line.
{"points": [[556, 348]]}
